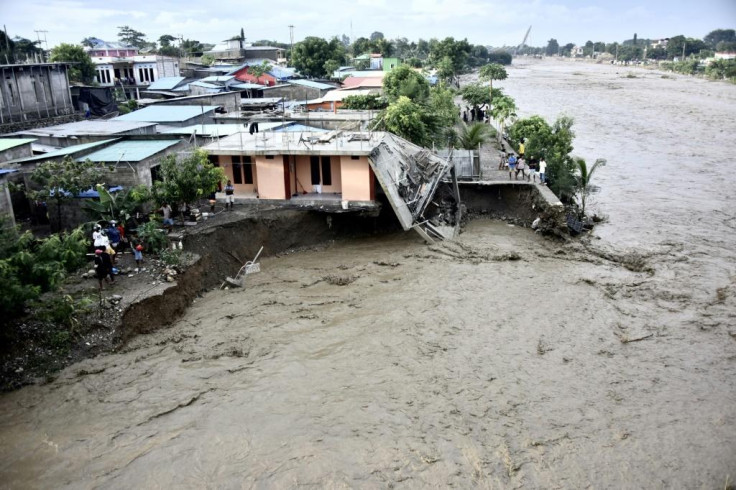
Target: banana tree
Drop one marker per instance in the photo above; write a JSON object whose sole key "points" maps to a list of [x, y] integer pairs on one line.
{"points": [[584, 177]]}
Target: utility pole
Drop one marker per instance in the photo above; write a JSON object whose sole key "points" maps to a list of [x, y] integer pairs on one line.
{"points": [[683, 51], [38, 35], [291, 39]]}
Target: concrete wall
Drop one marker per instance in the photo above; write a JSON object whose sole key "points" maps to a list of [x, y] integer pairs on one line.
{"points": [[294, 92], [22, 151], [229, 100], [271, 178], [6, 204], [357, 178], [304, 174], [226, 163], [31, 92]]}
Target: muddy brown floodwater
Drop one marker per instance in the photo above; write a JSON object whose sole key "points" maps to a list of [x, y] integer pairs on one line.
{"points": [[608, 362]]}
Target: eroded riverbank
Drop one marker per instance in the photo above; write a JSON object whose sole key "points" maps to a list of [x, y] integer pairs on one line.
{"points": [[382, 362]]}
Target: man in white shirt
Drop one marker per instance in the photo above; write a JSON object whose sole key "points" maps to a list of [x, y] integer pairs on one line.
{"points": [[542, 171]]}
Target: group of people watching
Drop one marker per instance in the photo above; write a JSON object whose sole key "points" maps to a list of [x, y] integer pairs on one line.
{"points": [[108, 243], [519, 164]]}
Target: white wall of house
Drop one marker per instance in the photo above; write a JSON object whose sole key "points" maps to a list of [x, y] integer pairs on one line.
{"points": [[143, 69]]}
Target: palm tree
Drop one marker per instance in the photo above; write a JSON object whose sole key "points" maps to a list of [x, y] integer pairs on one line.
{"points": [[473, 135], [584, 177], [491, 72]]}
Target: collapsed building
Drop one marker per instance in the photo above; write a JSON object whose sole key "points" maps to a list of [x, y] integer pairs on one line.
{"points": [[344, 172]]}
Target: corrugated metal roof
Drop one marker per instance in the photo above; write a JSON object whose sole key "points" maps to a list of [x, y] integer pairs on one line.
{"points": [[210, 86], [166, 113], [8, 143], [263, 100], [246, 86], [293, 128], [62, 152], [312, 84], [166, 83], [129, 151], [207, 129], [223, 78]]}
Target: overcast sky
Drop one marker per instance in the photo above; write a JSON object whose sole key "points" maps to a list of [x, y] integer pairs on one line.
{"points": [[487, 22]]}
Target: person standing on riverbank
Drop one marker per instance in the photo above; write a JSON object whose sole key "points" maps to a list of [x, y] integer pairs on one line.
{"points": [[229, 195], [103, 267], [512, 164], [166, 212], [520, 167], [543, 171]]}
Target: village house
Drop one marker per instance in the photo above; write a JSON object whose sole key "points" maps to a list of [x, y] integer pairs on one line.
{"points": [[238, 51], [298, 90], [15, 148], [172, 115], [339, 172], [34, 91], [272, 77], [121, 64], [51, 138]]}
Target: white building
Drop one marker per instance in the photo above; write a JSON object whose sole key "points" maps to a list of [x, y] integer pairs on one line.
{"points": [[118, 63]]}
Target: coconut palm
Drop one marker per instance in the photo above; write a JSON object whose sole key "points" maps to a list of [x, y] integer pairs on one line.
{"points": [[584, 177], [491, 72], [473, 135]]}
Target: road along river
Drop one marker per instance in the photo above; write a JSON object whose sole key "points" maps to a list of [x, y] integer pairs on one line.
{"points": [[500, 360]]}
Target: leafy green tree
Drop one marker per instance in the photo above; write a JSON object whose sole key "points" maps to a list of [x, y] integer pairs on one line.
{"points": [[130, 36], [657, 54], [403, 81], [259, 70], [457, 51], [553, 47], [375, 36], [383, 46], [499, 57], [360, 46], [62, 180], [473, 135], [118, 206], [445, 69], [503, 110], [584, 177], [207, 60], [83, 70], [728, 46], [407, 119], [331, 67], [719, 35], [476, 94], [89, 41], [311, 54], [192, 47], [414, 62], [442, 106], [186, 179], [721, 70], [29, 266], [364, 102], [165, 40], [26, 47], [491, 72]]}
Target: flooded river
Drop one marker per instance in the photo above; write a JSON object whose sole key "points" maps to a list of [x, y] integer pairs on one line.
{"points": [[385, 363]]}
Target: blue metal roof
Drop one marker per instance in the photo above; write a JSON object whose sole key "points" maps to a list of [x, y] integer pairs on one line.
{"points": [[221, 79], [4, 171], [62, 152], [130, 151], [166, 113], [312, 84], [206, 85], [166, 83], [207, 129]]}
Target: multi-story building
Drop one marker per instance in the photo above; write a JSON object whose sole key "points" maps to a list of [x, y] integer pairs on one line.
{"points": [[121, 64]]}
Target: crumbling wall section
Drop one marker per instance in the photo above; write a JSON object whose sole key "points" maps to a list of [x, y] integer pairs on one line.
{"points": [[517, 202]]}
